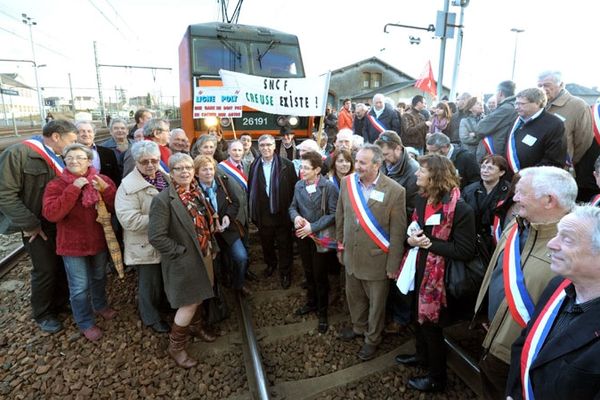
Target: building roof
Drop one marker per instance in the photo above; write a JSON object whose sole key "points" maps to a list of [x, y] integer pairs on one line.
{"points": [[578, 90], [11, 81]]}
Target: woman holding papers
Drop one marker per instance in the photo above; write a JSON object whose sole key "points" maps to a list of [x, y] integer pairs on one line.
{"points": [[443, 229]]}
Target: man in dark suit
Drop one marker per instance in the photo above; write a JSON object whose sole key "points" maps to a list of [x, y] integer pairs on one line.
{"points": [[464, 161], [271, 189], [369, 263], [382, 116], [566, 319], [105, 160]]}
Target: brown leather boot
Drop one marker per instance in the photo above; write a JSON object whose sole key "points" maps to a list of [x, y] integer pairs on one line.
{"points": [[197, 329], [177, 340]]}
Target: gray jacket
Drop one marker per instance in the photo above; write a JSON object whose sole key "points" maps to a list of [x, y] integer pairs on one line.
{"points": [[308, 205], [497, 125]]}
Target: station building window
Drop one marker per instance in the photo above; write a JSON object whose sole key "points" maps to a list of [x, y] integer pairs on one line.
{"points": [[366, 80]]}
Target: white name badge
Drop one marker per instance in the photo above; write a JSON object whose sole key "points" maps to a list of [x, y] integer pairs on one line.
{"points": [[311, 188], [435, 219], [529, 140], [376, 195]]}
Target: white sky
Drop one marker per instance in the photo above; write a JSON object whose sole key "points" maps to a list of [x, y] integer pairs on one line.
{"points": [[558, 35]]}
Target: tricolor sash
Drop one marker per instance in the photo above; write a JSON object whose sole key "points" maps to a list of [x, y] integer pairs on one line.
{"points": [[519, 303], [496, 228], [538, 334], [54, 161], [595, 201], [488, 144], [334, 181], [164, 166], [365, 216], [235, 173], [596, 121], [511, 148], [379, 127]]}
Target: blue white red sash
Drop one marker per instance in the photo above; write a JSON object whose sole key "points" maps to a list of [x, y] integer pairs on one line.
{"points": [[488, 144], [365, 216], [519, 303], [334, 181], [537, 336], [379, 127], [511, 148], [235, 173], [164, 166], [595, 201], [496, 228], [54, 161], [596, 121]]}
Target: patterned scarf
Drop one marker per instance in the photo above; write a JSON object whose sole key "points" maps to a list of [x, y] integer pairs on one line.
{"points": [[196, 206], [89, 195], [432, 293], [159, 182]]}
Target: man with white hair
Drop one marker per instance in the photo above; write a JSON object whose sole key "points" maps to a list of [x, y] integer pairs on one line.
{"points": [[556, 357], [179, 142], [381, 117], [519, 269], [575, 115], [360, 112]]}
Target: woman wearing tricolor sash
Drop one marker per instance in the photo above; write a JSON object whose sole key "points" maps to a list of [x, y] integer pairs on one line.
{"points": [[446, 230], [557, 355]]}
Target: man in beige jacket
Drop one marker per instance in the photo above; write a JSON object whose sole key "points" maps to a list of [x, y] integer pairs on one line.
{"points": [[542, 197], [370, 255]]}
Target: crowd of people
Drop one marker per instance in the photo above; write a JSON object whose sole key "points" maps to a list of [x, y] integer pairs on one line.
{"points": [[466, 212]]}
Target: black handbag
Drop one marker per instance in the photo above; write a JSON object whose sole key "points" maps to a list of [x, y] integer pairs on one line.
{"points": [[463, 279], [217, 309]]}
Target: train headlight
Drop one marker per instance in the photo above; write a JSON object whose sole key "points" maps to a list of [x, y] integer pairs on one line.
{"points": [[282, 120], [225, 122], [293, 121], [211, 121]]}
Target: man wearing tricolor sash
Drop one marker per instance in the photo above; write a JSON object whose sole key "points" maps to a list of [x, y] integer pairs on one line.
{"points": [[26, 168], [381, 117], [370, 229], [556, 356], [236, 170], [519, 269]]}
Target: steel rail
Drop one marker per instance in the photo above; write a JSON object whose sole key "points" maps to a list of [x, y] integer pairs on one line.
{"points": [[256, 364], [9, 262]]}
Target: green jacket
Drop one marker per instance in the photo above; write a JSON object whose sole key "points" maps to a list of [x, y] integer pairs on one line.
{"points": [[535, 259], [23, 178]]}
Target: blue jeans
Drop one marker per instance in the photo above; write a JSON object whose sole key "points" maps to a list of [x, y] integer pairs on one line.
{"points": [[87, 282], [239, 263]]}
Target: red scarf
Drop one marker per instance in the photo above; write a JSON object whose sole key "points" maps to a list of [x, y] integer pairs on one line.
{"points": [[89, 195], [432, 293], [194, 203]]}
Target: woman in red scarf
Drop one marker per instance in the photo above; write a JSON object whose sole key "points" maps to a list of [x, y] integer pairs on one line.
{"points": [[180, 228], [446, 231], [70, 201]]}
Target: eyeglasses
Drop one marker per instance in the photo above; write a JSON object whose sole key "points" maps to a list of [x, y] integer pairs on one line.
{"points": [[148, 162], [387, 139], [184, 168], [78, 158], [266, 144]]}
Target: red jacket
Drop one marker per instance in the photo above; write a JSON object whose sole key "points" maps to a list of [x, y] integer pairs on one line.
{"points": [[78, 233], [345, 120]]}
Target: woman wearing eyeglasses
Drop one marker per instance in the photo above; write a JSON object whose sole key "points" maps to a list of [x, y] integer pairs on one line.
{"points": [[132, 206], [180, 228], [70, 201]]}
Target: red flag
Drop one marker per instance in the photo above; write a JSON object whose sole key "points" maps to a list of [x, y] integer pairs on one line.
{"points": [[426, 82]]}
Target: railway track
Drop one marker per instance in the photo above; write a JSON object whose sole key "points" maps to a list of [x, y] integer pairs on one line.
{"points": [[266, 352]]}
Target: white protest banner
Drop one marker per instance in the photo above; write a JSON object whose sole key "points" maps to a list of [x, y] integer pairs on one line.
{"points": [[288, 96], [218, 101]]}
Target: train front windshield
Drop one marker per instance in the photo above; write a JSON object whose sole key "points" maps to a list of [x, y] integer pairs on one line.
{"points": [[271, 59]]}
